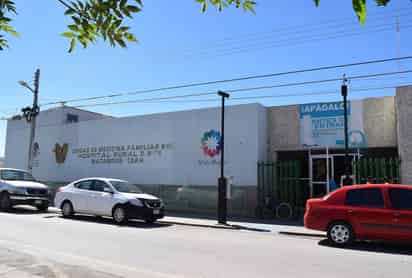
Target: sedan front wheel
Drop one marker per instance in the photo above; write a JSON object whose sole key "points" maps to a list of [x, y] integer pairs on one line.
{"points": [[5, 203], [119, 215]]}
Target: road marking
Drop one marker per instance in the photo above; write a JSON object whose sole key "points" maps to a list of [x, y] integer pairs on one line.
{"points": [[94, 264]]}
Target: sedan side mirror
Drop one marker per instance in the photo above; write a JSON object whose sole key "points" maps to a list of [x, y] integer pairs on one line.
{"points": [[108, 190]]}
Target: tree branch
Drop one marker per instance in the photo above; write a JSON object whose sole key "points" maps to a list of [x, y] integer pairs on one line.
{"points": [[80, 13], [66, 5]]}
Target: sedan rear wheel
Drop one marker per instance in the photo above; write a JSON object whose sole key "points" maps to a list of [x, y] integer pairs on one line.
{"points": [[340, 233], [119, 215], [67, 209]]}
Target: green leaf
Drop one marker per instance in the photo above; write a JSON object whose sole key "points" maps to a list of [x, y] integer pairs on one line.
{"points": [[130, 37], [72, 45], [74, 28], [317, 2], [249, 6], [77, 20], [68, 35], [121, 43], [133, 9], [204, 6], [69, 12], [124, 28], [360, 8], [122, 4], [382, 2]]}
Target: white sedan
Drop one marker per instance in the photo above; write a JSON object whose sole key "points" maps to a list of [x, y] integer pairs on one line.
{"points": [[108, 197]]}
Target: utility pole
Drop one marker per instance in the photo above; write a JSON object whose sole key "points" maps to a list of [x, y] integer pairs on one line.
{"points": [[398, 35], [30, 113], [222, 191]]}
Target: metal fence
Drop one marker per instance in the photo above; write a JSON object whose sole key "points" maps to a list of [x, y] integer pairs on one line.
{"points": [[379, 170], [281, 183]]}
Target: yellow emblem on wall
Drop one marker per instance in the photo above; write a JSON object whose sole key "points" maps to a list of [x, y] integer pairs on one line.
{"points": [[61, 152]]}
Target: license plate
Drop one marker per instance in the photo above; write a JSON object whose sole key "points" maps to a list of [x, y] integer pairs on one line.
{"points": [[38, 202], [156, 211]]}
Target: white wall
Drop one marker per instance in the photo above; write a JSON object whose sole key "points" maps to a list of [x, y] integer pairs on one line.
{"points": [[404, 116], [48, 122], [181, 162]]}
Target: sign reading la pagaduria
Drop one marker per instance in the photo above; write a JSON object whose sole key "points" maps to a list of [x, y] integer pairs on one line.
{"points": [[121, 154]]}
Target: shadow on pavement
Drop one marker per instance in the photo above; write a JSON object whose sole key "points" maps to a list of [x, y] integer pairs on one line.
{"points": [[251, 229], [25, 210], [109, 221], [294, 222], [376, 247]]}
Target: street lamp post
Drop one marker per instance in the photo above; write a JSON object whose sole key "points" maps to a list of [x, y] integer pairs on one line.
{"points": [[30, 114], [344, 91], [222, 191]]}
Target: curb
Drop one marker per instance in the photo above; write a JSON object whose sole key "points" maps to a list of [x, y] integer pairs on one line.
{"points": [[217, 226], [302, 234]]}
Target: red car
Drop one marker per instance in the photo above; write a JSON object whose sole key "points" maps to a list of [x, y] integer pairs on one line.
{"points": [[373, 212]]}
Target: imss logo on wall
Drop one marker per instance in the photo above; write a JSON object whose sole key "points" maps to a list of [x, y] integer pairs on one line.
{"points": [[60, 152], [211, 143]]}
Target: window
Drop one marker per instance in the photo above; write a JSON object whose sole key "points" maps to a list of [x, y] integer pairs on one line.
{"points": [[84, 185], [401, 198], [71, 118], [125, 187], [371, 197], [15, 175], [101, 186]]}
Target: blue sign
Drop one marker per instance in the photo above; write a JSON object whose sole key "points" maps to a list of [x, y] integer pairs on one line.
{"points": [[322, 124]]}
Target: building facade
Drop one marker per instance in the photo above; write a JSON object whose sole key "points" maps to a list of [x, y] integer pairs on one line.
{"points": [[176, 155]]}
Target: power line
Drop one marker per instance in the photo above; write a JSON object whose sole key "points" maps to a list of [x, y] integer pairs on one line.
{"points": [[250, 77], [290, 36], [311, 82], [337, 91], [290, 42], [309, 25], [329, 92]]}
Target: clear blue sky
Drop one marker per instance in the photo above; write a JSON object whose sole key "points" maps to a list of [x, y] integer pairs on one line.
{"points": [[178, 44]]}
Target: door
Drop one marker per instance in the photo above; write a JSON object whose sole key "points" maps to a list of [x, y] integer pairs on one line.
{"points": [[401, 201], [339, 166], [82, 196], [322, 173], [102, 198], [367, 213]]}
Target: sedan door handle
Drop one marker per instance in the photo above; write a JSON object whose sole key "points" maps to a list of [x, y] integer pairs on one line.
{"points": [[350, 211], [396, 214]]}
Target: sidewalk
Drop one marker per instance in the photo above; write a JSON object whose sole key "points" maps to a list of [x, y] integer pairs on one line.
{"points": [[285, 227]]}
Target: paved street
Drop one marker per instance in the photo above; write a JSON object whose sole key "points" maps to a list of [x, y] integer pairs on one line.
{"points": [[46, 245]]}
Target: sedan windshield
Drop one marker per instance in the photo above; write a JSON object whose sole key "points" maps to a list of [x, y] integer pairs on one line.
{"points": [[16, 175], [125, 187]]}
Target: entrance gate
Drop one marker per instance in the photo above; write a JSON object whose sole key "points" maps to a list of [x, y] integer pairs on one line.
{"points": [[281, 183], [325, 172], [380, 170]]}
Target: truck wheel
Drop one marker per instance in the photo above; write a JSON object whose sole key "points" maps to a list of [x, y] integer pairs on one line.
{"points": [[5, 203], [150, 220], [43, 208]]}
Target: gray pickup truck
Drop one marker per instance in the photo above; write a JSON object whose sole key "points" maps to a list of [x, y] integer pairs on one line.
{"points": [[18, 187]]}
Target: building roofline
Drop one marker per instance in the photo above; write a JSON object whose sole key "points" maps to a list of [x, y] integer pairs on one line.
{"points": [[78, 109]]}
